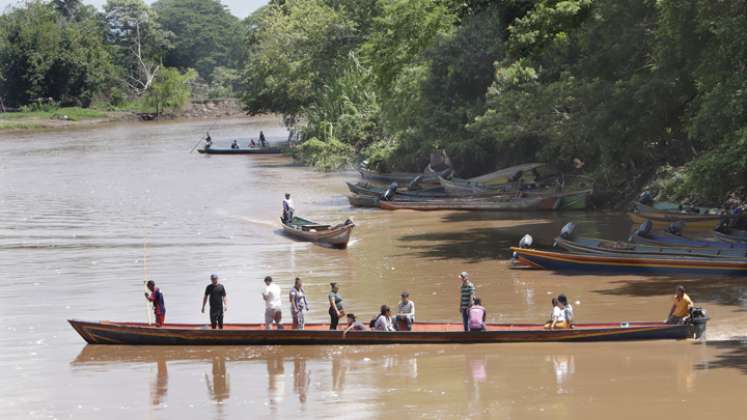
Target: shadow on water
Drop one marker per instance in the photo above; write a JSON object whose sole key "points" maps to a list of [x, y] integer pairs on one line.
{"points": [[472, 245], [733, 354], [717, 290]]}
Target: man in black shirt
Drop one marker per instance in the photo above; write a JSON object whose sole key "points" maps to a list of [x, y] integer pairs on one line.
{"points": [[218, 302]]}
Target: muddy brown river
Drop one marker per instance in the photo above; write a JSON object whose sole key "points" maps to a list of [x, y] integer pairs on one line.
{"points": [[85, 215]]}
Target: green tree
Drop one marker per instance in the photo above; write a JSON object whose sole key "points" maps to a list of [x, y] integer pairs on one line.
{"points": [[206, 35], [170, 90], [43, 55]]}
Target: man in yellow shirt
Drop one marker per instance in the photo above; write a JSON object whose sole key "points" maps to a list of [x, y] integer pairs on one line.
{"points": [[680, 307]]}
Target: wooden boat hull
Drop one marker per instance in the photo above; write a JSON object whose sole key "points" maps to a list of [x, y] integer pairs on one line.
{"points": [[106, 332], [357, 200], [371, 190], [671, 240], [335, 236], [252, 151], [487, 204], [617, 248], [561, 261], [734, 236], [429, 177], [503, 176], [663, 221]]}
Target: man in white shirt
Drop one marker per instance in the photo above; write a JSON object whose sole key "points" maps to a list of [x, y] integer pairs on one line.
{"points": [[273, 312], [288, 209]]}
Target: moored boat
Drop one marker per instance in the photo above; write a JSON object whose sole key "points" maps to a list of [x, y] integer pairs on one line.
{"points": [[692, 222], [248, 151], [134, 333], [476, 204], [663, 238], [358, 200], [364, 188], [604, 247], [429, 178], [731, 235], [563, 261], [526, 172], [336, 236]]}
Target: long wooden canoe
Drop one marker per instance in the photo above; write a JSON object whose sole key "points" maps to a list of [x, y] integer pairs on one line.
{"points": [[620, 248], [336, 236], [475, 204], [671, 240], [429, 176], [692, 222], [529, 172], [364, 188], [249, 151], [563, 261], [358, 200], [734, 236], [134, 333]]}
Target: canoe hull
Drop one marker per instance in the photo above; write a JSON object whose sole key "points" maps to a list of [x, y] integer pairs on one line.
{"points": [[616, 248], [663, 221], [336, 236], [255, 151], [317, 334], [671, 240], [357, 200], [562, 262], [487, 204]]}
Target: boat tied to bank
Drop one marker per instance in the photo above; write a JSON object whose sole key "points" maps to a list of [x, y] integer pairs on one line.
{"points": [[336, 236], [135, 333]]}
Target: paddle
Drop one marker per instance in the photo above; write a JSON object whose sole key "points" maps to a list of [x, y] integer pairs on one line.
{"points": [[148, 304]]}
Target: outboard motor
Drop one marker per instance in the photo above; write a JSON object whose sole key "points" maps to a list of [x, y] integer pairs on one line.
{"points": [[526, 241], [698, 319], [676, 228], [568, 230], [389, 193], [646, 198]]}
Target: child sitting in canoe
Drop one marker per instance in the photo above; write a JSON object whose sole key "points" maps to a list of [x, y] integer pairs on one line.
{"points": [[557, 318]]}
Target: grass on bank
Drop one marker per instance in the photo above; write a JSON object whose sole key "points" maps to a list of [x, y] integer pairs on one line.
{"points": [[70, 113]]}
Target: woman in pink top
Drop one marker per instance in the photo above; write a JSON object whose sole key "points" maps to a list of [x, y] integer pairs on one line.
{"points": [[477, 316]]}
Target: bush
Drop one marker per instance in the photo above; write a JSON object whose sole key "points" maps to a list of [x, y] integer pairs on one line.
{"points": [[326, 155]]}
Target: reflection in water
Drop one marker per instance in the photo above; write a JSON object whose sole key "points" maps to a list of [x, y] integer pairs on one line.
{"points": [[339, 368], [301, 378], [275, 381], [161, 385], [565, 367]]}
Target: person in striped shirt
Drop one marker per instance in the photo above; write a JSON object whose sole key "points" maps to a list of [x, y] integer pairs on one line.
{"points": [[467, 297]]}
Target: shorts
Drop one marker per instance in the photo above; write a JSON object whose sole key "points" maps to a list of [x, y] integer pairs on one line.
{"points": [[216, 319], [272, 315], [160, 318]]}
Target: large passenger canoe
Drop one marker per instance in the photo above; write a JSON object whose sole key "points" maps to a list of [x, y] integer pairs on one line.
{"points": [[248, 151], [563, 261], [336, 236], [133, 333]]}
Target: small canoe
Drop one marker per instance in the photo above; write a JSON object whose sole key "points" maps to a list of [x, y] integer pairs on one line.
{"points": [[731, 235], [248, 151], [358, 200], [336, 236], [135, 333], [620, 248], [671, 240], [529, 172], [692, 222], [429, 178], [364, 188], [457, 187], [562, 261], [475, 204]]}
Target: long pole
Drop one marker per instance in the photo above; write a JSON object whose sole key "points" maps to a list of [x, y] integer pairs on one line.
{"points": [[201, 138], [148, 304]]}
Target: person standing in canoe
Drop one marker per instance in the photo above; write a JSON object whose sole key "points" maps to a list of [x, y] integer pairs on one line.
{"points": [[335, 306], [216, 293], [208, 141], [288, 209], [262, 140], [680, 307], [298, 303], [466, 298], [235, 144], [159, 307], [273, 310]]}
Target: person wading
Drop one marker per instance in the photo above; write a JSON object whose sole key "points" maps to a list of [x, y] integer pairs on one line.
{"points": [[466, 298], [216, 293], [159, 307]]}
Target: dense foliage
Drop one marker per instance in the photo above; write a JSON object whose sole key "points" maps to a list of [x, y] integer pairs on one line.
{"points": [[61, 52], [625, 86]]}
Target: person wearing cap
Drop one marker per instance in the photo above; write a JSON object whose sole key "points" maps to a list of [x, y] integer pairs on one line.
{"points": [[335, 306], [288, 209], [467, 297], [405, 312], [680, 307], [273, 302], [159, 307], [216, 293]]}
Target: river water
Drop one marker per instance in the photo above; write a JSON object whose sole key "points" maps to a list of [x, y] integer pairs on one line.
{"points": [[86, 215]]}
